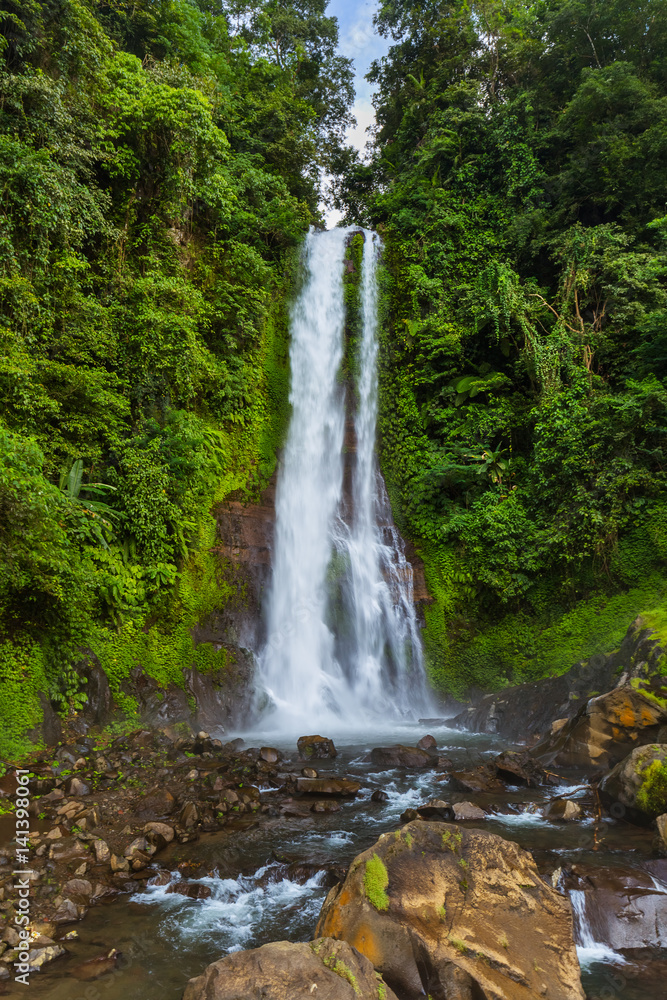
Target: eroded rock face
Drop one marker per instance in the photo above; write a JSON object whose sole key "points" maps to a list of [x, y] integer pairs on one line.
{"points": [[621, 789], [324, 969], [604, 731], [439, 909]]}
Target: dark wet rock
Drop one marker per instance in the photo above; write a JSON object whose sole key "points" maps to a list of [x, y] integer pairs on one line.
{"points": [[286, 971], [119, 864], [162, 878], [401, 756], [436, 809], [96, 967], [467, 812], [158, 802], [409, 815], [193, 890], [518, 768], [52, 730], [68, 912], [188, 816], [303, 871], [75, 786], [270, 755], [316, 747], [379, 796], [339, 787], [78, 887], [528, 710], [427, 743], [563, 810], [440, 907], [660, 842], [294, 810], [138, 846], [65, 850], [627, 791], [159, 834], [482, 779], [443, 764], [325, 806], [625, 907]]}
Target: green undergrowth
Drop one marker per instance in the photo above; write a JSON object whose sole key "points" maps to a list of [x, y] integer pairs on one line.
{"points": [[523, 647], [151, 627]]}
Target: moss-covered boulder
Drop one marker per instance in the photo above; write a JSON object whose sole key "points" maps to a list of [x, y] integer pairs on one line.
{"points": [[322, 969], [636, 789], [446, 911]]}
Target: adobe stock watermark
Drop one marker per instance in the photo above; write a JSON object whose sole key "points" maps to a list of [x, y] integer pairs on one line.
{"points": [[22, 873]]}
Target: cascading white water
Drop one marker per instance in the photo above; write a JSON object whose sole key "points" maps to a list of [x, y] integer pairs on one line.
{"points": [[589, 950], [343, 641]]}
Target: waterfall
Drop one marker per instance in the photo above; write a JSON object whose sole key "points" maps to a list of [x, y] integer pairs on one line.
{"points": [[343, 643], [589, 950]]}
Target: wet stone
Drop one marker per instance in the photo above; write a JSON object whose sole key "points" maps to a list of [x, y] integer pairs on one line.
{"points": [[316, 747], [325, 806], [564, 810], [193, 890], [467, 811]]}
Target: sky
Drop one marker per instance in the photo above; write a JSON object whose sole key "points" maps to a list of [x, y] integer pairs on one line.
{"points": [[358, 41]]}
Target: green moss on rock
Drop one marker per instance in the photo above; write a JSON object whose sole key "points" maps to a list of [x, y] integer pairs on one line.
{"points": [[376, 880]]}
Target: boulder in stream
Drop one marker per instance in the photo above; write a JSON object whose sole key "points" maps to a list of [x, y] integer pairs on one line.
{"points": [[439, 908], [563, 810], [321, 970], [316, 747], [400, 756], [338, 787], [482, 779], [636, 789]]}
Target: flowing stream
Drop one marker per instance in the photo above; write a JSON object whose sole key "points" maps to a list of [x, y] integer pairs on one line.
{"points": [[343, 641], [268, 881]]}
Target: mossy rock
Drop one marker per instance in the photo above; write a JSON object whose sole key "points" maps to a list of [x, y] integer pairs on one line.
{"points": [[636, 789]]}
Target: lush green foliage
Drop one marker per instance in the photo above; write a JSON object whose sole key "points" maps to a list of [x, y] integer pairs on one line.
{"points": [[159, 164], [518, 178]]}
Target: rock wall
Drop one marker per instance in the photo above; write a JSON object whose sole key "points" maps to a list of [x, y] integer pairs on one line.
{"points": [[527, 711]]}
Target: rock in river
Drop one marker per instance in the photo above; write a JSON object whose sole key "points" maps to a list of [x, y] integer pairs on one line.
{"points": [[316, 747], [637, 787], [339, 787], [400, 756], [321, 970], [438, 908]]}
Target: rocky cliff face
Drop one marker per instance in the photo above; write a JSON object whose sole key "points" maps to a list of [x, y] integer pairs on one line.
{"points": [[528, 711]]}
